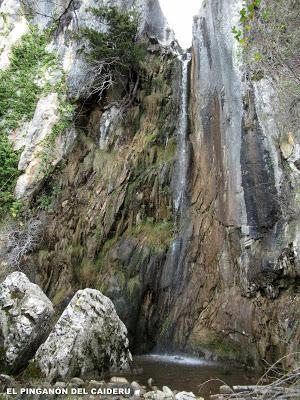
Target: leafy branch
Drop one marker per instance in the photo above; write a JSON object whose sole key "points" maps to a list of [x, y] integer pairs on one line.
{"points": [[113, 55], [269, 35]]}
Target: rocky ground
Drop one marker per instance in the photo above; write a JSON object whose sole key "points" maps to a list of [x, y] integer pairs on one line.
{"points": [[50, 356], [92, 389], [121, 388]]}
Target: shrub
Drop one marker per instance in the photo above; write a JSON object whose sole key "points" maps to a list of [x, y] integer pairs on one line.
{"points": [[272, 37], [271, 47], [18, 240], [21, 86], [114, 54], [19, 93]]}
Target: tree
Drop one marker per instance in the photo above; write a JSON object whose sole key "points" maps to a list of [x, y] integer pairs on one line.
{"points": [[114, 55], [271, 47]]}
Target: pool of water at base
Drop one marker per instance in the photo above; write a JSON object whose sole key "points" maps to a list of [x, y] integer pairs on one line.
{"points": [[184, 373]]}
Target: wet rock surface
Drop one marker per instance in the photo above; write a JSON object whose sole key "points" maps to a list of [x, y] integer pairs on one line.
{"points": [[236, 279], [25, 319]]}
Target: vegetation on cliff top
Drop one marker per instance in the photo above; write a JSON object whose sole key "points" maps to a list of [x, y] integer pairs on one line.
{"points": [[271, 41], [112, 54]]}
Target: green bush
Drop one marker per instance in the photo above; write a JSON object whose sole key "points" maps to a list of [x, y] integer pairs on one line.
{"points": [[8, 173], [115, 53], [19, 93], [271, 39], [269, 34], [22, 84]]}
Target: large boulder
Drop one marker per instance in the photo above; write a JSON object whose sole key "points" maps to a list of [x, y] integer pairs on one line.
{"points": [[25, 318], [88, 340]]}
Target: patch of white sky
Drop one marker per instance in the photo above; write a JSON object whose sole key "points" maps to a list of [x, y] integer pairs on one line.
{"points": [[179, 14]]}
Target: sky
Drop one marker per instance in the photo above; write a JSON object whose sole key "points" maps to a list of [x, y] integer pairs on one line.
{"points": [[179, 14]]}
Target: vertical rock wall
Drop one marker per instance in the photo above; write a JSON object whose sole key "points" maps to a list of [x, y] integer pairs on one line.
{"points": [[245, 242]]}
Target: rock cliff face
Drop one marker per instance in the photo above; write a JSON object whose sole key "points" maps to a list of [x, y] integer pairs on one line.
{"points": [[180, 207], [107, 195], [71, 68], [244, 200], [110, 223]]}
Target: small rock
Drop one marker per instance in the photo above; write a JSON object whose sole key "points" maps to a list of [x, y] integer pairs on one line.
{"points": [[135, 385], [119, 379], [297, 164], [77, 382], [225, 389], [138, 391], [168, 392], [185, 396], [6, 381], [155, 395], [287, 146], [96, 384], [60, 385], [150, 382]]}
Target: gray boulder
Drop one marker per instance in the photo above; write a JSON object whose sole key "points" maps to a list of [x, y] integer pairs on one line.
{"points": [[155, 395], [185, 396], [25, 317], [88, 340]]}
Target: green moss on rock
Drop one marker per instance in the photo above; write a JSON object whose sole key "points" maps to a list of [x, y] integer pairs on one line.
{"points": [[157, 235], [32, 372], [21, 86], [222, 348]]}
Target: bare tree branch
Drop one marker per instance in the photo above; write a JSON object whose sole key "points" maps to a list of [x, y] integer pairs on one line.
{"points": [[19, 240], [32, 7]]}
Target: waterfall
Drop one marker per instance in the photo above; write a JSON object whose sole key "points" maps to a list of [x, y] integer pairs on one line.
{"points": [[180, 184], [172, 277], [175, 259]]}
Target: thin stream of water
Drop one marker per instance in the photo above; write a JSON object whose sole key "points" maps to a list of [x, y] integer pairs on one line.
{"points": [[180, 187], [180, 177]]}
